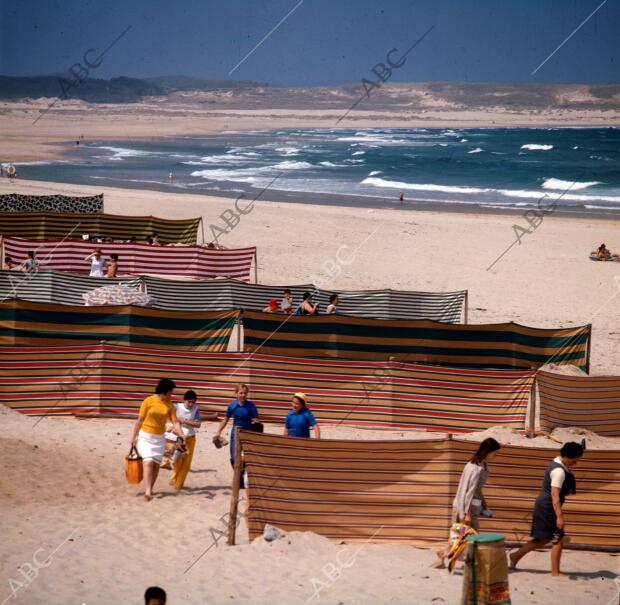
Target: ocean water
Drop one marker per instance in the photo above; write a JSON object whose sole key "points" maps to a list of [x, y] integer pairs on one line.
{"points": [[498, 168]]}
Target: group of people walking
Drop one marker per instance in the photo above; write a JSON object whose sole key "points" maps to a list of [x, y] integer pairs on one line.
{"points": [[469, 505], [548, 523]]}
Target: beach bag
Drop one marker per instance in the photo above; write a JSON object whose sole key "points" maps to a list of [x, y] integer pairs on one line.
{"points": [[457, 542], [133, 466], [257, 427]]}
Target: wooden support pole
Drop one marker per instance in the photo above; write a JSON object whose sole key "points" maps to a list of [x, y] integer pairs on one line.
{"points": [[202, 228], [588, 350], [239, 334], [234, 498], [466, 305], [531, 429], [255, 266]]}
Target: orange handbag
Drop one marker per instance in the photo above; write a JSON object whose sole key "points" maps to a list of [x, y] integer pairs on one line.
{"points": [[133, 466]]}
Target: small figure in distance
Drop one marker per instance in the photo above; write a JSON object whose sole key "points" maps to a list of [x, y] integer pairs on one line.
{"points": [[155, 240], [149, 240], [402, 198], [286, 306], [272, 307], [333, 304], [604, 253], [308, 306], [155, 595], [170, 176], [7, 265], [112, 266], [133, 239]]}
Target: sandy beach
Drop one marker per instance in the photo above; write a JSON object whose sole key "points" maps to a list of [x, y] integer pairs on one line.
{"points": [[90, 538], [104, 533], [98, 542]]}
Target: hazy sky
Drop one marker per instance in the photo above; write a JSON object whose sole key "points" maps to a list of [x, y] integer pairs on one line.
{"points": [[322, 42]]}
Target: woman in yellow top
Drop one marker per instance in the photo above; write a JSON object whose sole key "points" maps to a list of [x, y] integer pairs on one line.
{"points": [[148, 432]]}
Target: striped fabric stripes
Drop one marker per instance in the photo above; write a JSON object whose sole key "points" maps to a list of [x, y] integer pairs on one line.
{"points": [[38, 324], [52, 225], [367, 394], [489, 345], [402, 491], [589, 402], [196, 262], [223, 294], [54, 287]]}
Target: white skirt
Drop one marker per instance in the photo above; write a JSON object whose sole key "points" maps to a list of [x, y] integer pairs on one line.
{"points": [[151, 447]]}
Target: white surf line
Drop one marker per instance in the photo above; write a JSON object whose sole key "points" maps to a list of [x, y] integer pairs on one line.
{"points": [[571, 35], [271, 32]]}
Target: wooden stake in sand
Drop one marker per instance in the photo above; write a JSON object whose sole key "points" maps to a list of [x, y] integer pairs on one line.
{"points": [[531, 429], [234, 498]]}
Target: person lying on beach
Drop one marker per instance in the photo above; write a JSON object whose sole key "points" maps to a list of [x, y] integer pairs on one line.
{"points": [[300, 420], [308, 306], [548, 523], [272, 307], [97, 263], [469, 502], [112, 266], [7, 265]]}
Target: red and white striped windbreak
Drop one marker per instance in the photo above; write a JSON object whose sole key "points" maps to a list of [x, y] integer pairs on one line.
{"points": [[195, 262]]}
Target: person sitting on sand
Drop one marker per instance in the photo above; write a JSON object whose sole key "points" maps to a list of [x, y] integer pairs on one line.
{"points": [[97, 263], [286, 306], [112, 266], [148, 431], [333, 304], [308, 306], [155, 240], [603, 253], [188, 416], [300, 420], [133, 239], [31, 264], [272, 307], [469, 501], [155, 595], [548, 523], [7, 265]]}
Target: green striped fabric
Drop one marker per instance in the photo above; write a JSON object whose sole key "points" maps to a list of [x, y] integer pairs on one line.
{"points": [[507, 345], [57, 225], [40, 324]]}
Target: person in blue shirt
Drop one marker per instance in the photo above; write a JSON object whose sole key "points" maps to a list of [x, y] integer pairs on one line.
{"points": [[243, 412], [300, 420]]}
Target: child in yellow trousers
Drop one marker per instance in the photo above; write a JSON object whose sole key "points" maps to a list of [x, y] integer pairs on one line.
{"points": [[188, 416]]}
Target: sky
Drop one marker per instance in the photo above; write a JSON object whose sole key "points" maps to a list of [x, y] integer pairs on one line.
{"points": [[316, 42]]}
